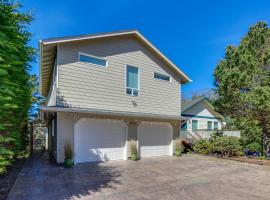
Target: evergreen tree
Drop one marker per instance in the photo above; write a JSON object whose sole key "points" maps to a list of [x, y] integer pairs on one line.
{"points": [[15, 81], [242, 81]]}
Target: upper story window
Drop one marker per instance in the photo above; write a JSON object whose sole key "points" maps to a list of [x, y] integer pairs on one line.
{"points": [[92, 60], [162, 77], [132, 80]]}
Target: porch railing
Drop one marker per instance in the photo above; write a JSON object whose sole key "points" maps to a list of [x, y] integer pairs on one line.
{"points": [[205, 134]]}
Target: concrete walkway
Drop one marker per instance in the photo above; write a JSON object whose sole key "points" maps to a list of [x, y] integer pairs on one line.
{"points": [[189, 177]]}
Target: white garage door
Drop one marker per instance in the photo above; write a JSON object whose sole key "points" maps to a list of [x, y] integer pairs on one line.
{"points": [[155, 139], [99, 140]]}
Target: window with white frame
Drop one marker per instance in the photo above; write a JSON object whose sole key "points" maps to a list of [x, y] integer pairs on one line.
{"points": [[194, 125], [132, 80], [163, 77], [85, 58], [209, 125], [215, 125]]}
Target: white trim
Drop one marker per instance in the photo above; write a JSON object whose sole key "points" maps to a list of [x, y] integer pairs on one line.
{"points": [[40, 64], [89, 37], [109, 112], [91, 56], [57, 67], [138, 81]]}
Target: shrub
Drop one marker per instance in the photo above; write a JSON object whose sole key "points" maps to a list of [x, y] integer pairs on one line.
{"points": [[202, 146], [68, 151], [227, 146], [254, 147], [178, 147], [133, 150]]}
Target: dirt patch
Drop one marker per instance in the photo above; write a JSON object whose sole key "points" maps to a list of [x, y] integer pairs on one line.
{"points": [[7, 179]]}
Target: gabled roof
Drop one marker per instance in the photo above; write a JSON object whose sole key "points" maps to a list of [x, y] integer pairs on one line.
{"points": [[185, 105], [48, 49], [188, 104]]}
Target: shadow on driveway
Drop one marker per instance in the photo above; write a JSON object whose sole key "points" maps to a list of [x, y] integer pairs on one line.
{"points": [[41, 179]]}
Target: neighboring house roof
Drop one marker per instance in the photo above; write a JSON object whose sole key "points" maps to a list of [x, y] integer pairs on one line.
{"points": [[185, 105], [48, 50]]}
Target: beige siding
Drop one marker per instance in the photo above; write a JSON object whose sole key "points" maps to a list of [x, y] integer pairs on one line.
{"points": [[90, 86]]}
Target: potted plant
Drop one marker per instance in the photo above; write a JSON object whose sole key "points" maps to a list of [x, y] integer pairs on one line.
{"points": [[68, 162], [178, 147], [133, 150]]}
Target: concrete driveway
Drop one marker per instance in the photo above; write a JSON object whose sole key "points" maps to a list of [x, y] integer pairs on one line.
{"points": [[189, 177]]}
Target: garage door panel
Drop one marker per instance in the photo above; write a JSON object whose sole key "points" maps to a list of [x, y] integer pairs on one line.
{"points": [[99, 140], [154, 139]]}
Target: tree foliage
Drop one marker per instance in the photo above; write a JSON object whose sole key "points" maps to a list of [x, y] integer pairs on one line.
{"points": [[16, 84], [242, 81]]}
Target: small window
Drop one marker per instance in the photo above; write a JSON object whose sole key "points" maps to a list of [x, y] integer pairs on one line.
{"points": [[132, 80], [194, 125], [209, 125], [93, 60], [162, 77], [215, 125]]}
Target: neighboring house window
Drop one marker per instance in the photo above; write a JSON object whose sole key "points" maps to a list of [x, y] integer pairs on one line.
{"points": [[132, 80], [184, 127], [162, 77], [215, 125], [93, 60], [194, 125], [209, 125]]}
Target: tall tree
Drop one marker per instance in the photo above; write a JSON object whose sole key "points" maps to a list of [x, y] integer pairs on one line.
{"points": [[15, 80], [242, 81]]}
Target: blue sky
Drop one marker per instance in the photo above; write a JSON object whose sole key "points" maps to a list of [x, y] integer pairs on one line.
{"points": [[193, 34]]}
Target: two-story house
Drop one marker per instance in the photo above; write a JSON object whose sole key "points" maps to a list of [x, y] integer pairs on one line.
{"points": [[104, 90]]}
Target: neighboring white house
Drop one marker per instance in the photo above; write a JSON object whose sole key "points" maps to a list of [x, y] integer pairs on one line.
{"points": [[201, 120], [200, 115], [104, 90]]}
